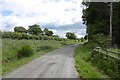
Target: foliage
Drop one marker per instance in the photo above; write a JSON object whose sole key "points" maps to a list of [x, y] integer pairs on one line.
{"points": [[47, 32], [99, 40], [70, 35], [6, 35], [87, 60], [21, 36], [82, 39], [116, 24], [34, 32], [25, 51], [56, 36], [34, 29], [83, 64], [20, 29], [24, 36], [106, 63], [96, 16], [85, 37]]}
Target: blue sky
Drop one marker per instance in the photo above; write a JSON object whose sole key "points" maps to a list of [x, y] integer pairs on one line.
{"points": [[60, 16]]}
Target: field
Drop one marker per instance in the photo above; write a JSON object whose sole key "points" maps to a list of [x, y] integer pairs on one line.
{"points": [[39, 47]]}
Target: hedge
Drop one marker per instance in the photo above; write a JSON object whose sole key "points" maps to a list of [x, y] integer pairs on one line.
{"points": [[19, 36]]}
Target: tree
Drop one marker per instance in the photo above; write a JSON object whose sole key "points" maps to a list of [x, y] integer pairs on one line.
{"points": [[56, 36], [34, 29], [47, 32], [70, 35], [96, 16], [81, 39], [20, 29], [116, 24], [85, 37]]}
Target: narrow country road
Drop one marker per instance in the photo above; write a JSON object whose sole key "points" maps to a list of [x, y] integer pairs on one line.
{"points": [[56, 64]]}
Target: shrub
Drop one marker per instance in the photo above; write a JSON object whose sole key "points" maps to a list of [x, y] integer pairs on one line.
{"points": [[45, 37], [24, 51], [34, 37], [6, 35], [25, 36], [99, 40], [106, 63], [40, 37], [64, 43], [16, 35]]}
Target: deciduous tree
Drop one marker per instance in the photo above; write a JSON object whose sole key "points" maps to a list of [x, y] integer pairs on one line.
{"points": [[70, 35], [34, 29]]}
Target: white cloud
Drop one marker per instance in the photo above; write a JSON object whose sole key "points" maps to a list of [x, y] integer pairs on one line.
{"points": [[28, 12], [47, 11], [78, 32]]}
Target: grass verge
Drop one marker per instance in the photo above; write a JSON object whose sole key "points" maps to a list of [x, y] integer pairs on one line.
{"points": [[83, 64]]}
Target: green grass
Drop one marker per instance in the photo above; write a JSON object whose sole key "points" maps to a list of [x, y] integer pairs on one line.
{"points": [[39, 47], [83, 64]]}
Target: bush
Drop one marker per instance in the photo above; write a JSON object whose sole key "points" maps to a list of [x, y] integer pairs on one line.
{"points": [[99, 40], [25, 51], [19, 36], [6, 35], [106, 63], [64, 43], [25, 36], [45, 37], [16, 35]]}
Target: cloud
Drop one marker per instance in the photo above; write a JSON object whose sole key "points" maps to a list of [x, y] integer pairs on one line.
{"points": [[57, 14], [77, 28], [62, 33]]}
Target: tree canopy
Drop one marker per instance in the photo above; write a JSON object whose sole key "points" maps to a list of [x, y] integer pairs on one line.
{"points": [[47, 32], [70, 35], [97, 18], [20, 29], [34, 29]]}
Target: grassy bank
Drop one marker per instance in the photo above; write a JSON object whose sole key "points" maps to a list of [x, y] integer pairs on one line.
{"points": [[83, 64], [39, 47]]}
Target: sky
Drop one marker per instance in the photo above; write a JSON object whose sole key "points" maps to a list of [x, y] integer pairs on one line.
{"points": [[60, 16]]}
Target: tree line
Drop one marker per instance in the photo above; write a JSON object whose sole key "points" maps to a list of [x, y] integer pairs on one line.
{"points": [[97, 18], [35, 32]]}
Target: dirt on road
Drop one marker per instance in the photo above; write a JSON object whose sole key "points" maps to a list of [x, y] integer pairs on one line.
{"points": [[56, 64]]}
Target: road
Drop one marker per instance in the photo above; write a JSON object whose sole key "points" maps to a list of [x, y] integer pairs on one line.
{"points": [[56, 64]]}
